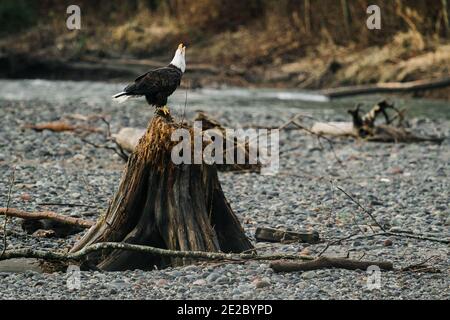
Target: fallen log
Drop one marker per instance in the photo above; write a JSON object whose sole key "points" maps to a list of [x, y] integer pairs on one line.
{"points": [[381, 133], [50, 215], [276, 235], [32, 66], [328, 263], [164, 205], [142, 65], [388, 87], [333, 128], [386, 133], [365, 127]]}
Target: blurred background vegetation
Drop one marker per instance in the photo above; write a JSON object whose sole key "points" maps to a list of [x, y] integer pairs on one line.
{"points": [[299, 42], [16, 15]]}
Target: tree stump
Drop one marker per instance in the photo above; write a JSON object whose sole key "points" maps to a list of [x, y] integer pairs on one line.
{"points": [[161, 204]]}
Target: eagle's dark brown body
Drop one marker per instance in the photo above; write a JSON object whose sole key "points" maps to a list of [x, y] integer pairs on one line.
{"points": [[156, 85]]}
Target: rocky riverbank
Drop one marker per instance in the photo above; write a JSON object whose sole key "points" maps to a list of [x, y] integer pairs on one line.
{"points": [[405, 185]]}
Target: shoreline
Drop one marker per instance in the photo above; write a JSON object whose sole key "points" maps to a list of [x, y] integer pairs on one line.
{"points": [[201, 76]]}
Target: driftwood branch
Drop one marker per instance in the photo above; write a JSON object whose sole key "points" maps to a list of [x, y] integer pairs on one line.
{"points": [[319, 136], [61, 256], [422, 266], [119, 152], [328, 263], [109, 138], [65, 204], [9, 212], [408, 235], [414, 236], [389, 87], [364, 209], [363, 126], [337, 241], [60, 126]]}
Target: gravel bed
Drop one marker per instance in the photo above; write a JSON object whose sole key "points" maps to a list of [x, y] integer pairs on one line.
{"points": [[405, 185]]}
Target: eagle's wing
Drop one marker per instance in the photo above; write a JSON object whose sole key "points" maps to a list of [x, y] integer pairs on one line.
{"points": [[156, 80], [140, 77]]}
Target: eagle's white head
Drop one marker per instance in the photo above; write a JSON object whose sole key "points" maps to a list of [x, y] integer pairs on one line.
{"points": [[179, 58]]}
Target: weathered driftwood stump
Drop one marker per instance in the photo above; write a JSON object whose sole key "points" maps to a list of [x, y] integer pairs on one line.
{"points": [[365, 127], [160, 204], [127, 138], [212, 124]]}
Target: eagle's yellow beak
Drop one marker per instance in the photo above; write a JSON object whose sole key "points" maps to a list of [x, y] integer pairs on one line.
{"points": [[182, 47]]}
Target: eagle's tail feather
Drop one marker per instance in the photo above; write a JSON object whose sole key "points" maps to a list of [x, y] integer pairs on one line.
{"points": [[121, 97]]}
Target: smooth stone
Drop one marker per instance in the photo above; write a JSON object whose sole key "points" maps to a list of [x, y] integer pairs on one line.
{"points": [[261, 283], [212, 277], [222, 280], [308, 274], [447, 221], [199, 282]]}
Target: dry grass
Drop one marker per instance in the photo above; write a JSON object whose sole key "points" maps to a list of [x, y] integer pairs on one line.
{"points": [[408, 57]]}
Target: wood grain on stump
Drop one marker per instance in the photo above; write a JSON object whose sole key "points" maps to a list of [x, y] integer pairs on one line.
{"points": [[161, 204]]}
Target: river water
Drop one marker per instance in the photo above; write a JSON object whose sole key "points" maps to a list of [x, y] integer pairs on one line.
{"points": [[309, 102]]}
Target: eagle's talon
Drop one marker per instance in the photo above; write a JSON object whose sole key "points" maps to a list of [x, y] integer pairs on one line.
{"points": [[165, 111]]}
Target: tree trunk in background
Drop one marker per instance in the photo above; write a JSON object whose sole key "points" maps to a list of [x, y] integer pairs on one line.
{"points": [[347, 16], [445, 17], [142, 5], [307, 17], [160, 204]]}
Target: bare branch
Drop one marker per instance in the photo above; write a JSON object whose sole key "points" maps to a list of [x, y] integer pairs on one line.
{"points": [[61, 256], [119, 152], [64, 204], [8, 212], [338, 241], [11, 183], [364, 209]]}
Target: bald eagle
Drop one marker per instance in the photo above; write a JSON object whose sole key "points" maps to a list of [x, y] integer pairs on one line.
{"points": [[158, 84]]}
